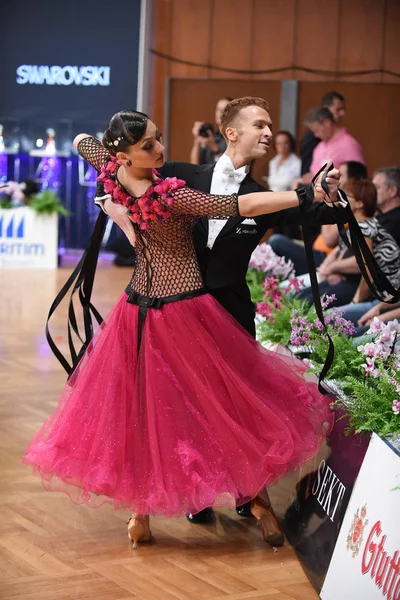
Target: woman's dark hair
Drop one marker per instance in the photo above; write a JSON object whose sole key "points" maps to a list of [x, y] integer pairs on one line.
{"points": [[126, 127], [291, 139], [356, 170], [364, 191]]}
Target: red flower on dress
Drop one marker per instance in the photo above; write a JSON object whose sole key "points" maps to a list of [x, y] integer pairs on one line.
{"points": [[153, 205]]}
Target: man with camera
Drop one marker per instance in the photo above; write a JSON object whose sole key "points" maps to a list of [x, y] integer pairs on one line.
{"points": [[208, 144]]}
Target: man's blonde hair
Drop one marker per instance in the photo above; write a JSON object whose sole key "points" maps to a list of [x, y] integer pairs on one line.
{"points": [[233, 108]]}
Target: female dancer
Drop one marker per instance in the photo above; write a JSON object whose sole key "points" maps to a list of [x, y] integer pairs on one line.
{"points": [[174, 407]]}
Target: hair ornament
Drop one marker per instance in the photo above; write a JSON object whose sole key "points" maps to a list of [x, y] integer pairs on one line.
{"points": [[115, 142]]}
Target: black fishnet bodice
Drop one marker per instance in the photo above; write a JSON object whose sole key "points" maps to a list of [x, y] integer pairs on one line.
{"points": [[166, 259]]}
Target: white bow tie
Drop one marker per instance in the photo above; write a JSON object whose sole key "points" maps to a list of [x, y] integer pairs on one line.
{"points": [[237, 174]]}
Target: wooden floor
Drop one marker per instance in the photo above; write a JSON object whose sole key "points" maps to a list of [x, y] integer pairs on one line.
{"points": [[52, 549]]}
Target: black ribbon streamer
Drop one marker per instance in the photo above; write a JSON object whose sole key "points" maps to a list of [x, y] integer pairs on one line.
{"points": [[378, 283], [83, 276]]}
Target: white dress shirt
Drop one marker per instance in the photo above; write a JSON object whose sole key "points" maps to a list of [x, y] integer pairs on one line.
{"points": [[226, 180], [281, 175]]}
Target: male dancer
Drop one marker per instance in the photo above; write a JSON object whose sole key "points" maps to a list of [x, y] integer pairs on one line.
{"points": [[224, 247]]}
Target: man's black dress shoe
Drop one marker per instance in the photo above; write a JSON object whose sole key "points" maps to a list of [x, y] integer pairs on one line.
{"points": [[244, 510], [204, 516]]}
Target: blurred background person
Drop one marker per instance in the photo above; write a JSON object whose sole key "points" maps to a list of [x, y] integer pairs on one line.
{"points": [[325, 241], [283, 168], [336, 104], [208, 142], [387, 183], [20, 194], [336, 143], [339, 273], [286, 165]]}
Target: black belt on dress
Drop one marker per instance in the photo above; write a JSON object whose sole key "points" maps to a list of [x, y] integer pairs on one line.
{"points": [[146, 302]]}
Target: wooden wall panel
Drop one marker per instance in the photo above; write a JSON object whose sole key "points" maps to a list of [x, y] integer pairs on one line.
{"points": [[231, 23], [391, 52], [191, 39], [195, 99], [371, 117], [361, 38], [160, 67], [316, 37], [272, 44], [254, 35]]}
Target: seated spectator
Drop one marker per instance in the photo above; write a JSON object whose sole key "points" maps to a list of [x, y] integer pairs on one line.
{"points": [[336, 144], [387, 182], [208, 142], [335, 103], [326, 240], [20, 194], [285, 166], [383, 311], [339, 274]]}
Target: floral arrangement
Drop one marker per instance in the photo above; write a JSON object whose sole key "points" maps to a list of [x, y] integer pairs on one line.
{"points": [[153, 205], [276, 310], [264, 262], [375, 396], [308, 333], [46, 202], [368, 375]]}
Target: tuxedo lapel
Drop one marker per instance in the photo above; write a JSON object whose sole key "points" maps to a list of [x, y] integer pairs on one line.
{"points": [[203, 178], [247, 186]]}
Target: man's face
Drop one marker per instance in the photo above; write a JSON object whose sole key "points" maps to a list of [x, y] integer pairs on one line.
{"points": [[219, 109], [323, 130], [384, 192], [254, 135], [337, 109]]}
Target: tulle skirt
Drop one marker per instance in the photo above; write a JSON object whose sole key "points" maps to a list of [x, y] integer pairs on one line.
{"points": [[202, 415]]}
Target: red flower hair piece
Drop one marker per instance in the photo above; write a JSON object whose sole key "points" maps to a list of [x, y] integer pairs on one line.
{"points": [[153, 205]]}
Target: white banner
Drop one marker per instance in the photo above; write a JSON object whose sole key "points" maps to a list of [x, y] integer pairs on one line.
{"points": [[27, 240], [366, 562]]}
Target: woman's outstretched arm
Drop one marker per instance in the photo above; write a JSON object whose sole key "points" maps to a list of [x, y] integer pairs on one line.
{"points": [[91, 149], [196, 203]]}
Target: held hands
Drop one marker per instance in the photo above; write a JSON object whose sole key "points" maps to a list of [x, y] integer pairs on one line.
{"points": [[332, 182], [117, 212], [367, 317]]}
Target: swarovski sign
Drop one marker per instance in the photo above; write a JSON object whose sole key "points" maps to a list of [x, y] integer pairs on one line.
{"points": [[69, 75]]}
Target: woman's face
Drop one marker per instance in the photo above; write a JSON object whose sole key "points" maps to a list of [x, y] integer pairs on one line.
{"points": [[147, 153], [282, 144], [354, 204]]}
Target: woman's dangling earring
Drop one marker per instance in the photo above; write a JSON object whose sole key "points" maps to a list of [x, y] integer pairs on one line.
{"points": [[128, 163]]}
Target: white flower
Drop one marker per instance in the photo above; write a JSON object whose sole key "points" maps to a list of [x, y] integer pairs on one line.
{"points": [[393, 326], [264, 259], [375, 326]]}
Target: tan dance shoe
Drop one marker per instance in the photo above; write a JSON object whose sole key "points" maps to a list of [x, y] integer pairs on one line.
{"points": [[139, 530], [263, 512]]}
